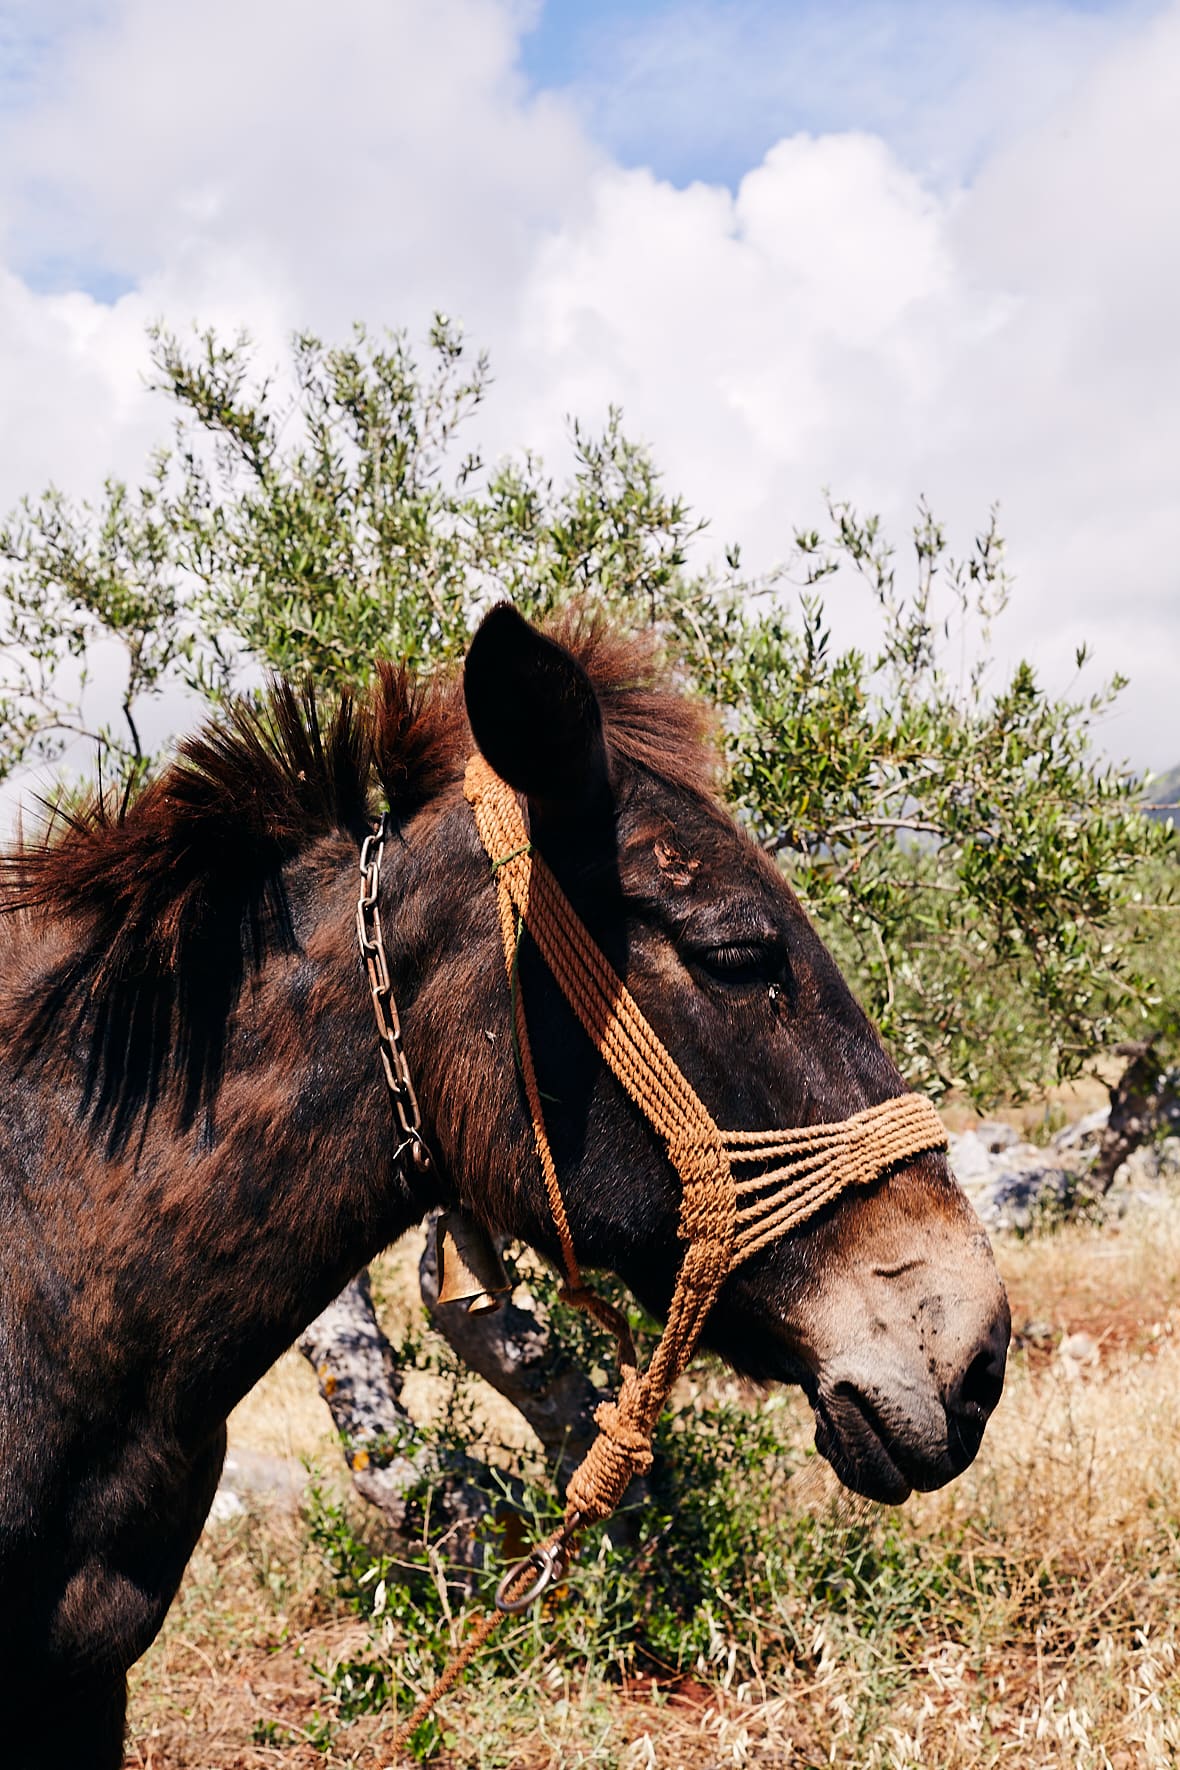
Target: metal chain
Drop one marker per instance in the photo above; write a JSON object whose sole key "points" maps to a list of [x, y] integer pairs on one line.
{"points": [[389, 1029]]}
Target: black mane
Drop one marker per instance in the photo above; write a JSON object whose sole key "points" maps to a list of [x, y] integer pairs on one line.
{"points": [[174, 897]]}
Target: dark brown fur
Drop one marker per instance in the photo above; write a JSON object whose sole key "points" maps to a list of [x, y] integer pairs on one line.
{"points": [[197, 1150]]}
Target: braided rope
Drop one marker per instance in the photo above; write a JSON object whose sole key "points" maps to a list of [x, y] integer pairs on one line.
{"points": [[823, 1161], [478, 1636], [631, 1049]]}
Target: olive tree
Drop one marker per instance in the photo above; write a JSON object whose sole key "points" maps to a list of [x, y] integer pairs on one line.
{"points": [[949, 826]]}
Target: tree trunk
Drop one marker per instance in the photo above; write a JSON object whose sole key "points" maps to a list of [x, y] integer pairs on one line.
{"points": [[1134, 1111], [389, 1460], [523, 1362]]}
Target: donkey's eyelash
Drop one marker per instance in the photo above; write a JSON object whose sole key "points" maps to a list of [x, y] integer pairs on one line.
{"points": [[740, 961]]}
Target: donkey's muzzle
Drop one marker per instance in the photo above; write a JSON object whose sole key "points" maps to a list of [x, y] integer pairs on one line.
{"points": [[891, 1419]]}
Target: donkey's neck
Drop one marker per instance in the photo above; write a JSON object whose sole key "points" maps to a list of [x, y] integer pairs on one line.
{"points": [[219, 1244]]}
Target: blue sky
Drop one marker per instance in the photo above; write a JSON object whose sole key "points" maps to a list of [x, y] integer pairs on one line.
{"points": [[895, 250], [33, 34], [700, 89], [692, 89]]}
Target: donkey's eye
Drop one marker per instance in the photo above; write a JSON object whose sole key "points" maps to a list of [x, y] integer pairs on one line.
{"points": [[740, 962]]}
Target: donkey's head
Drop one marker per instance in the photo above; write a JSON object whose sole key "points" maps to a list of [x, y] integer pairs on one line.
{"points": [[886, 1306]]}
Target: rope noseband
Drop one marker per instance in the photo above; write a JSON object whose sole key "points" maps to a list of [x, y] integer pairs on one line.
{"points": [[723, 1219]]}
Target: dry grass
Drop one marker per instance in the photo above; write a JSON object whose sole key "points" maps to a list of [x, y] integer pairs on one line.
{"points": [[1029, 1615]]}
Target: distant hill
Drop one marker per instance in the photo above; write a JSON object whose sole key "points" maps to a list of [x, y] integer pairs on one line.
{"points": [[1163, 795]]}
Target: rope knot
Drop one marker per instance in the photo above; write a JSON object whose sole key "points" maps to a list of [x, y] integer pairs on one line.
{"points": [[621, 1452], [629, 1440]]}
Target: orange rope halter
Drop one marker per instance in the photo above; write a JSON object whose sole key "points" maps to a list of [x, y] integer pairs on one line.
{"points": [[723, 1220]]}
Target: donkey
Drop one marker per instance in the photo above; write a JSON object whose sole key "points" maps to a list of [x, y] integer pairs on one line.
{"points": [[197, 1150]]}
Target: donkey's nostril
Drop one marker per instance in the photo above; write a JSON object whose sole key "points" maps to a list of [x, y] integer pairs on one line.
{"points": [[982, 1384], [975, 1393]]}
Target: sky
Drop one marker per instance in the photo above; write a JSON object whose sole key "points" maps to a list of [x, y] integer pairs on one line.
{"points": [[890, 250]]}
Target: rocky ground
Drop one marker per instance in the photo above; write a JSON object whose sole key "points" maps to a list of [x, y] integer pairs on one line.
{"points": [[1019, 1186]]}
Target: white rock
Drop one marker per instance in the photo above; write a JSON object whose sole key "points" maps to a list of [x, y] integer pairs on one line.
{"points": [[1020, 1197], [994, 1136], [1085, 1130], [1077, 1353], [226, 1505], [970, 1158]]}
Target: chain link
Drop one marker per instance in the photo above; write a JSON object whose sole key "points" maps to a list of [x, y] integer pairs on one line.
{"points": [[389, 1029]]}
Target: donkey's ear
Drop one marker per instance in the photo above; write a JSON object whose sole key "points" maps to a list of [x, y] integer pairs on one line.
{"points": [[534, 715]]}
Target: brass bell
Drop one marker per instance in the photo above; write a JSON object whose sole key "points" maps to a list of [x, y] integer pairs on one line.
{"points": [[470, 1269]]}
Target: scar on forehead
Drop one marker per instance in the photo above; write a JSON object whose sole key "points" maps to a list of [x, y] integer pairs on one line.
{"points": [[679, 871]]}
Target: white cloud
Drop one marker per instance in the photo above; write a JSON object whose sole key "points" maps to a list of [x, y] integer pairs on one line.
{"points": [[756, 335], [835, 320], [374, 153]]}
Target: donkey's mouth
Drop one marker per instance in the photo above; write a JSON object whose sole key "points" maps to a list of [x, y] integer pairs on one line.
{"points": [[852, 1438]]}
